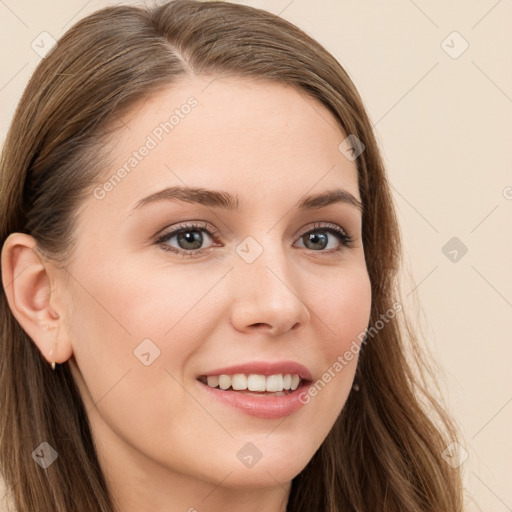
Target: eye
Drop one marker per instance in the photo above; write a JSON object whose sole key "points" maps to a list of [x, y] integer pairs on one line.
{"points": [[321, 237], [187, 239], [195, 239]]}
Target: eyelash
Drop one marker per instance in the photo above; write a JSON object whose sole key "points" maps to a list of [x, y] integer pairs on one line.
{"points": [[345, 240]]}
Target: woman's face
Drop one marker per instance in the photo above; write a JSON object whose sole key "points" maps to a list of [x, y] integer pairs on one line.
{"points": [[259, 276]]}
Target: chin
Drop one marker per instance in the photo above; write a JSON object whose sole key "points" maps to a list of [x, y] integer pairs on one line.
{"points": [[270, 470], [260, 477]]}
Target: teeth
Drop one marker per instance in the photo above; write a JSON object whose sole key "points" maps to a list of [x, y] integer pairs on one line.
{"points": [[213, 381], [239, 381], [224, 381], [255, 382], [275, 383]]}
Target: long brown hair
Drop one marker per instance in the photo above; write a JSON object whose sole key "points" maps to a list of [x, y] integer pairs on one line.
{"points": [[384, 451]]}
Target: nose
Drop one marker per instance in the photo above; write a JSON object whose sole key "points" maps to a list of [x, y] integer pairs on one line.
{"points": [[268, 296]]}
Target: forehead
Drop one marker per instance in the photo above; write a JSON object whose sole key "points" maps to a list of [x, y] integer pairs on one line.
{"points": [[253, 137]]}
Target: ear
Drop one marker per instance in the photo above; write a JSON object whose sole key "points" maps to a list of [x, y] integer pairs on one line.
{"points": [[27, 277]]}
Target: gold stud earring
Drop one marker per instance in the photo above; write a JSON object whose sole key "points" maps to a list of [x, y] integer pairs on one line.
{"points": [[51, 353]]}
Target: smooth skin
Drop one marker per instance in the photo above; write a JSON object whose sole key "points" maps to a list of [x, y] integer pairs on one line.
{"points": [[163, 443]]}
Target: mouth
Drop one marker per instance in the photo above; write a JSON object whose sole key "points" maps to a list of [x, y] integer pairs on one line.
{"points": [[263, 396], [255, 384]]}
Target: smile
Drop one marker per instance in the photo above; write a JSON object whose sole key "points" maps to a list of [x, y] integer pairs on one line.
{"points": [[278, 383], [259, 403]]}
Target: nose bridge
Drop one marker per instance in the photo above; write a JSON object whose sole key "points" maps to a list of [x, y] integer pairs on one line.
{"points": [[269, 265], [268, 293]]}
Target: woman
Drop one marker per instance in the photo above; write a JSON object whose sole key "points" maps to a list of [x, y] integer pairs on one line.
{"points": [[199, 265]]}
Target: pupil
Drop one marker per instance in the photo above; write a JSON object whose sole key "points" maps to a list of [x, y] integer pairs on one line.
{"points": [[191, 237], [315, 239]]}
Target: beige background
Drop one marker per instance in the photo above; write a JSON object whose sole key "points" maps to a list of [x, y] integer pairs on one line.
{"points": [[445, 126]]}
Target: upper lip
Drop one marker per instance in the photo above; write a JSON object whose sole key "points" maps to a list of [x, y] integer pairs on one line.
{"points": [[264, 368]]}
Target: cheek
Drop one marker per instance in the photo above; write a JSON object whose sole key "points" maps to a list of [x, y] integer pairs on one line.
{"points": [[342, 310], [342, 307], [134, 300], [126, 315]]}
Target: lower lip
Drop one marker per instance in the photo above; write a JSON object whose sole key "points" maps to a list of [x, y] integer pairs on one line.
{"points": [[261, 406]]}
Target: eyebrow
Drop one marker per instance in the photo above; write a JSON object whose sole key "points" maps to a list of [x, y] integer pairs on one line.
{"points": [[222, 199]]}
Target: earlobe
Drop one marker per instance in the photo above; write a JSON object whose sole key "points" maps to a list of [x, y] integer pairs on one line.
{"points": [[27, 281]]}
